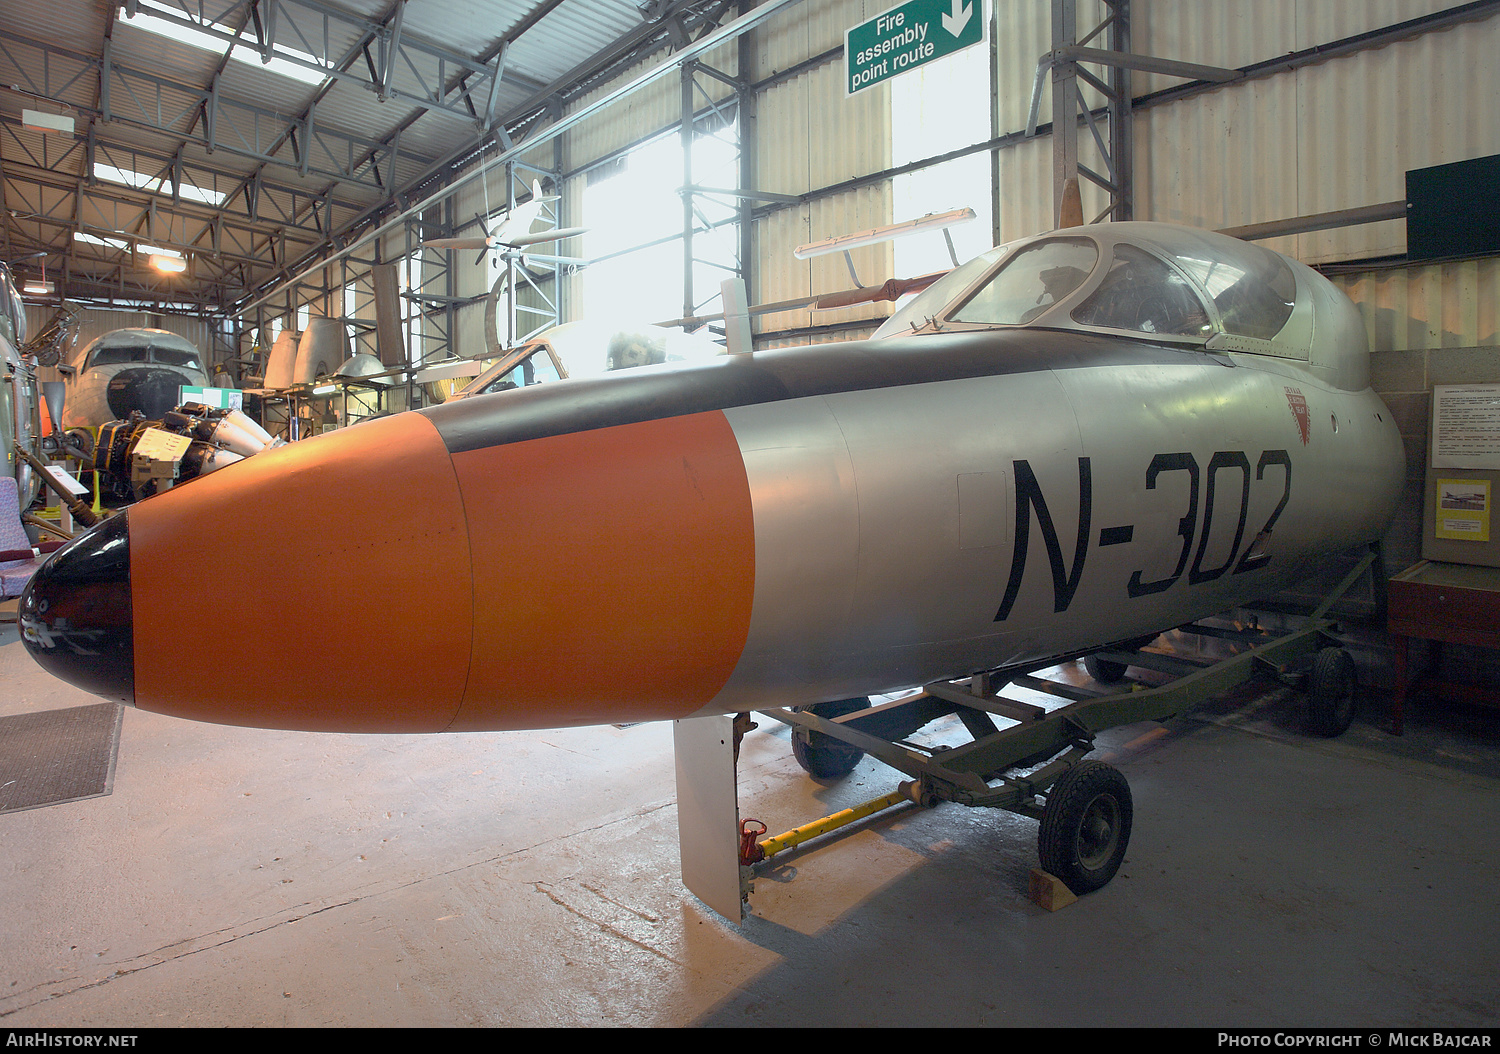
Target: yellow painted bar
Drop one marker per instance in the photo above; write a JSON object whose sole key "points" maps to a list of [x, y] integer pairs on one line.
{"points": [[795, 837]]}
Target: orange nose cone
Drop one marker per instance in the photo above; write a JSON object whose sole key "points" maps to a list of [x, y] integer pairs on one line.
{"points": [[337, 574], [614, 571], [373, 581]]}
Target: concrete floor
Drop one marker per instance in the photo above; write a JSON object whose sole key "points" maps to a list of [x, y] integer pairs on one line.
{"points": [[241, 877]]}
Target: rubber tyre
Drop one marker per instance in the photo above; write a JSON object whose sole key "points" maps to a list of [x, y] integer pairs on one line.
{"points": [[1331, 693], [1086, 826], [1103, 670], [819, 754]]}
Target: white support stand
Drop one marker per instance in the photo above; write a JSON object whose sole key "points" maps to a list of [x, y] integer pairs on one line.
{"points": [[708, 812]]}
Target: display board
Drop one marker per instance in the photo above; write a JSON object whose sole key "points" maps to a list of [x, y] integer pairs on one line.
{"points": [[1463, 475]]}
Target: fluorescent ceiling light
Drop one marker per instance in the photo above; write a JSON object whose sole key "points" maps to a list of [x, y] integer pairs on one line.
{"points": [[110, 243], [41, 121], [243, 52], [141, 181], [156, 250], [37, 286]]}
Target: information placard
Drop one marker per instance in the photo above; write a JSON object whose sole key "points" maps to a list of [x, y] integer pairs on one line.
{"points": [[1466, 426]]}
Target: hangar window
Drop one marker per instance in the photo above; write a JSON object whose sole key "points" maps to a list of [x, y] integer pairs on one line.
{"points": [[925, 123], [1031, 282], [1142, 294], [634, 213]]}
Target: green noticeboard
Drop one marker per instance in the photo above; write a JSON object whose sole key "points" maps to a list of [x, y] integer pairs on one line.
{"points": [[907, 37]]}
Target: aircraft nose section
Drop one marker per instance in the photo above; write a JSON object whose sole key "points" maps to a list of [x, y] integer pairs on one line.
{"points": [[75, 613]]}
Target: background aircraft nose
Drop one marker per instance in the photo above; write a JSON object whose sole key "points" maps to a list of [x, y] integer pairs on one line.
{"points": [[75, 613]]}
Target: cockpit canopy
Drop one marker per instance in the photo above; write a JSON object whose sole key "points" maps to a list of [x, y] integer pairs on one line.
{"points": [[141, 347], [1152, 280]]}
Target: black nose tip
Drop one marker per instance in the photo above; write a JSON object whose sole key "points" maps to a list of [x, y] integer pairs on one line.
{"points": [[75, 613]]}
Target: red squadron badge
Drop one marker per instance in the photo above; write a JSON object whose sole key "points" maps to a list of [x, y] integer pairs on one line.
{"points": [[1298, 404]]}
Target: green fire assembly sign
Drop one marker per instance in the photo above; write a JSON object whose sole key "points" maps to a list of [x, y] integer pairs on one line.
{"points": [[906, 37]]}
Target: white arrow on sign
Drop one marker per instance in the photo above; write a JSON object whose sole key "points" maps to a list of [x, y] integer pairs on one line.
{"points": [[955, 22]]}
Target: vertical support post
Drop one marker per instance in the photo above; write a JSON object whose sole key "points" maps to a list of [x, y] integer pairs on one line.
{"points": [[106, 64], [687, 182], [749, 146], [510, 265], [1121, 118], [995, 130], [561, 288], [1064, 104]]}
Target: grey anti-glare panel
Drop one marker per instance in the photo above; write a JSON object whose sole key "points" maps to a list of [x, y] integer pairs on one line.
{"points": [[58, 756]]}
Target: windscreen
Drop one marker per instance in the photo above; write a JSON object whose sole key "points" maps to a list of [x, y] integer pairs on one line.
{"points": [[536, 368], [1029, 284]]}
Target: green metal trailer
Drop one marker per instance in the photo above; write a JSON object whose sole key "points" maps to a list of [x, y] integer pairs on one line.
{"points": [[1031, 759]]}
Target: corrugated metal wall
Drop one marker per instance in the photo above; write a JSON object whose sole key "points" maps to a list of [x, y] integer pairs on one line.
{"points": [[1329, 136]]}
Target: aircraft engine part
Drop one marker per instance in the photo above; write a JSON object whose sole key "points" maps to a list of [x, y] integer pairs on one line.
{"points": [[225, 433], [218, 441], [281, 364], [323, 348], [202, 458], [361, 365], [242, 420]]}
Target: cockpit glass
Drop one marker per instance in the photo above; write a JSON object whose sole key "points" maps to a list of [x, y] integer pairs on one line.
{"points": [[1142, 294], [176, 357], [536, 368], [930, 301], [111, 355], [1253, 288], [1031, 282]]}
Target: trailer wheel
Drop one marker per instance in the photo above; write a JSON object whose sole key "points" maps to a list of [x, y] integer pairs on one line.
{"points": [[1331, 692], [822, 756], [1086, 826], [1104, 671]]}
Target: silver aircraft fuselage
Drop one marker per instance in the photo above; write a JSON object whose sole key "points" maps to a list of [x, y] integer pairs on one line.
{"points": [[1069, 442]]}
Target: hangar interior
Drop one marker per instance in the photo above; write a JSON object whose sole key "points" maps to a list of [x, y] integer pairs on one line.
{"points": [[242, 172]]}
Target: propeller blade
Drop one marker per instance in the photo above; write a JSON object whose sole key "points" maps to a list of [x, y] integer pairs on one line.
{"points": [[554, 235], [1072, 206], [457, 243], [892, 290]]}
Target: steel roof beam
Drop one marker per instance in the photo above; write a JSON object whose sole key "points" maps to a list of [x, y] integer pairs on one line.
{"points": [[260, 131], [427, 61]]}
